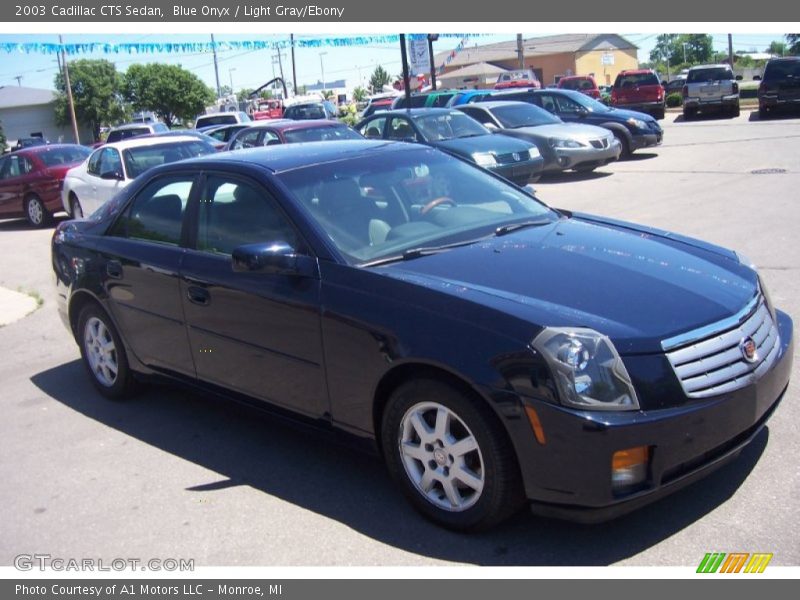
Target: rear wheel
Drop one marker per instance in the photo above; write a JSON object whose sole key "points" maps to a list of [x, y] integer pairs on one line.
{"points": [[735, 111], [76, 210], [35, 211], [689, 113], [103, 353], [623, 142], [450, 456], [763, 113]]}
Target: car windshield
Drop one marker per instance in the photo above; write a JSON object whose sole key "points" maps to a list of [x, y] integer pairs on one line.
{"points": [[63, 156], [138, 160], [634, 79], [709, 74], [781, 69], [321, 134], [391, 202], [523, 115], [448, 126]]}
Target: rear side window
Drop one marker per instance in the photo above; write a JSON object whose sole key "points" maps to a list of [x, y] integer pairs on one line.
{"points": [[634, 79], [156, 214], [709, 74], [782, 69]]}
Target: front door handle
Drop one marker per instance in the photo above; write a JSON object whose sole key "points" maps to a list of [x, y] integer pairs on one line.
{"points": [[198, 295], [114, 269]]}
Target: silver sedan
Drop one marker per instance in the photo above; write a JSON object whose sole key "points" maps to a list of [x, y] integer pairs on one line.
{"points": [[563, 145]]}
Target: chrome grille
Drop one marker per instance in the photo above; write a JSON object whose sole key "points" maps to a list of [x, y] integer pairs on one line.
{"points": [[709, 361], [509, 157]]}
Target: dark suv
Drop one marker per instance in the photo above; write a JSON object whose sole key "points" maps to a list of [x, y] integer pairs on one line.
{"points": [[639, 90], [780, 86]]}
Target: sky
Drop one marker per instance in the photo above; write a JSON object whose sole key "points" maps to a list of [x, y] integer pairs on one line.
{"points": [[250, 69]]}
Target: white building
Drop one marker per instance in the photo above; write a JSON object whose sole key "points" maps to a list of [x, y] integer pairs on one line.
{"points": [[30, 112]]}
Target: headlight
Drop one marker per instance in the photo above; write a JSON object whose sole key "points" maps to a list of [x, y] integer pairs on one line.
{"points": [[558, 143], [484, 159], [588, 371], [637, 123]]}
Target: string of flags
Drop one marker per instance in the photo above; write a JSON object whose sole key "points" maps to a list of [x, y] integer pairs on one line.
{"points": [[453, 53], [220, 46]]}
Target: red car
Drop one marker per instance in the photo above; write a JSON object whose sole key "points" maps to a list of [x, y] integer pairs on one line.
{"points": [[639, 90], [31, 180], [525, 78], [581, 83], [268, 109], [292, 132]]}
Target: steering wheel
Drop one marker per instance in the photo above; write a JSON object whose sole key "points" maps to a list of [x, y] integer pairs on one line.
{"points": [[436, 202]]}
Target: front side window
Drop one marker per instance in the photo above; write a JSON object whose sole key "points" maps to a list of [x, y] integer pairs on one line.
{"points": [[373, 129], [235, 212], [401, 129], [156, 214]]}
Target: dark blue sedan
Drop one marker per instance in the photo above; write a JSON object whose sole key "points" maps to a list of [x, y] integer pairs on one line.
{"points": [[452, 131], [493, 350]]}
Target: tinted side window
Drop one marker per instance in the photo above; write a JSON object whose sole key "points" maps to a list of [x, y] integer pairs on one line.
{"points": [[400, 129], [11, 167], [481, 116], [156, 214], [235, 212]]}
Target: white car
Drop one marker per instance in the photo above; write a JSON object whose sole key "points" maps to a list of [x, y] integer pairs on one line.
{"points": [[112, 167]]}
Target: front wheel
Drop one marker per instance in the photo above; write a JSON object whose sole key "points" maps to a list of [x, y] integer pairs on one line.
{"points": [[75, 207], [623, 142], [103, 353], [450, 456], [35, 211]]}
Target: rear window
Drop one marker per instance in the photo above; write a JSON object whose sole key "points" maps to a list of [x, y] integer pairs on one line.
{"points": [[709, 74], [576, 84], [124, 134], [634, 79], [781, 69], [140, 159], [63, 156], [301, 112], [216, 120]]}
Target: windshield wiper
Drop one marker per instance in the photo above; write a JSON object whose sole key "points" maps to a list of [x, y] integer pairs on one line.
{"points": [[511, 227], [413, 253]]}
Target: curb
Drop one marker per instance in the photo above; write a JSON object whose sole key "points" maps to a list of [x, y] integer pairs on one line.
{"points": [[15, 306]]}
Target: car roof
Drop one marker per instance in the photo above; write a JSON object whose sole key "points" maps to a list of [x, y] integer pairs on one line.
{"points": [[714, 66], [155, 140], [568, 77], [416, 112], [289, 124], [635, 71], [494, 104], [41, 148], [133, 126], [286, 157]]}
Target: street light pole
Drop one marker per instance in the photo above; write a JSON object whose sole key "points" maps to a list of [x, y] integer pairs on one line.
{"points": [[322, 68], [230, 75], [432, 37]]}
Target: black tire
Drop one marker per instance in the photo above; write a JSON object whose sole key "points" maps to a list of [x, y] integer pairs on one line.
{"points": [[585, 168], [75, 208], [494, 460], [689, 113], [763, 114], [123, 383], [35, 212], [659, 114], [736, 111], [623, 142]]}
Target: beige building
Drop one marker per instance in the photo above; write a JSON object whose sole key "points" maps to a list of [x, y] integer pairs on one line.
{"points": [[551, 57]]}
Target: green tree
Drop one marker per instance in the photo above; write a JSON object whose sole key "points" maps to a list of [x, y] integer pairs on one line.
{"points": [[777, 48], [170, 91], [327, 94], [793, 39], [96, 93], [664, 49], [379, 79], [359, 94], [243, 95], [697, 48]]}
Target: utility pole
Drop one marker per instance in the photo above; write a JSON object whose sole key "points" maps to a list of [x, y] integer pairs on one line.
{"points": [[68, 85], [280, 66], [520, 53], [432, 37], [730, 50], [322, 68], [216, 66], [19, 80], [404, 58], [294, 69]]}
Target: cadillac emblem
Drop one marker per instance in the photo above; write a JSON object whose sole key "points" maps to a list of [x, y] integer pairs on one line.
{"points": [[749, 350], [515, 156]]}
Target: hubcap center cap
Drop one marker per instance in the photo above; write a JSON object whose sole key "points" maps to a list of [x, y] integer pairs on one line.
{"points": [[440, 457]]}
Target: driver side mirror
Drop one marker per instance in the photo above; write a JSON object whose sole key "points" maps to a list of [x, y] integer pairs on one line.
{"points": [[277, 258], [528, 187]]}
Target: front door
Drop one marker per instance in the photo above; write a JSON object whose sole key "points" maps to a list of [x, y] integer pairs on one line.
{"points": [[256, 333]]}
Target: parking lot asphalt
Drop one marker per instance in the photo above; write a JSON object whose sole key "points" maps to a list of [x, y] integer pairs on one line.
{"points": [[173, 474]]}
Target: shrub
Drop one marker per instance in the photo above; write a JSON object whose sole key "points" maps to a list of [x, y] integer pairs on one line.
{"points": [[674, 99]]}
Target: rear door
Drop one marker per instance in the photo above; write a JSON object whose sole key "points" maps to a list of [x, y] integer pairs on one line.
{"points": [[256, 333], [142, 257]]}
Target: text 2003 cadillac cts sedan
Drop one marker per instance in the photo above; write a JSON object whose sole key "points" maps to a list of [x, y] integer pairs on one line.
{"points": [[494, 349]]}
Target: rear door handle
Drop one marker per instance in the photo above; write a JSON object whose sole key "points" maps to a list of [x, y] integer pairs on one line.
{"points": [[198, 295], [114, 269]]}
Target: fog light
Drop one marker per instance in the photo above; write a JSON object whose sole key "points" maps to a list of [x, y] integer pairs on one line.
{"points": [[629, 467]]}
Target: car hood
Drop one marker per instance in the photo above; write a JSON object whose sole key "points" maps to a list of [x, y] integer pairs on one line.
{"points": [[483, 143], [573, 131], [623, 114], [637, 286]]}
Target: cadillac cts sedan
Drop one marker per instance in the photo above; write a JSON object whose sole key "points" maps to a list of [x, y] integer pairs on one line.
{"points": [[495, 351]]}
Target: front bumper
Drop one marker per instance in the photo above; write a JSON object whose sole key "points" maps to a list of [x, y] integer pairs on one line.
{"points": [[569, 476], [521, 172], [645, 140], [569, 158]]}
